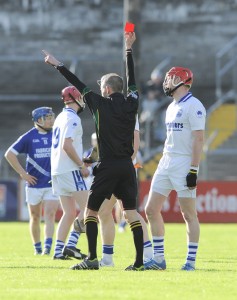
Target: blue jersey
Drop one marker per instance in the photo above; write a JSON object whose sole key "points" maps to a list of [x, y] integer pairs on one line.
{"points": [[37, 148]]}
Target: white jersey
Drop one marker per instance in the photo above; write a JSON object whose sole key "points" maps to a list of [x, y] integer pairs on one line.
{"points": [[137, 124], [182, 118], [67, 125]]}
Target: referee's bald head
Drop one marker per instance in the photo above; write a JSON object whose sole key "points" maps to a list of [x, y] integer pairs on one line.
{"points": [[114, 81]]}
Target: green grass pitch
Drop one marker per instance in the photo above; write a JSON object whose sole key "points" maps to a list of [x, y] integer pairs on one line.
{"points": [[25, 276]]}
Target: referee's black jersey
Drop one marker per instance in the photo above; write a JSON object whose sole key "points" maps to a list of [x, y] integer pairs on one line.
{"points": [[114, 116], [115, 119]]}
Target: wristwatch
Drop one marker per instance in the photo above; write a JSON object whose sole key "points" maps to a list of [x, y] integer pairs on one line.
{"points": [[59, 65]]}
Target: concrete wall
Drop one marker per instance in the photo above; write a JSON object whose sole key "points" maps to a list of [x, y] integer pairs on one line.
{"points": [[191, 32]]}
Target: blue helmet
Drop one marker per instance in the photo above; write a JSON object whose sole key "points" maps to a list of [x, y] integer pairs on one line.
{"points": [[41, 112]]}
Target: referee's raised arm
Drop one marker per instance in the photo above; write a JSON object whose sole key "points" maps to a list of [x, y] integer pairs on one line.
{"points": [[130, 38], [72, 78]]}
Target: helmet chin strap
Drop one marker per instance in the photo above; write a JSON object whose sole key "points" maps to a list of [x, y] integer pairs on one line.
{"points": [[170, 92], [80, 107], [41, 126], [45, 129]]}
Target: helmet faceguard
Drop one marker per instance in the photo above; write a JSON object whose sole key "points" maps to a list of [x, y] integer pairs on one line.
{"points": [[42, 113], [70, 94], [176, 77]]}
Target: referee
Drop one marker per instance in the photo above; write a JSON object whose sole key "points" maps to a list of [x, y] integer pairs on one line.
{"points": [[115, 118]]}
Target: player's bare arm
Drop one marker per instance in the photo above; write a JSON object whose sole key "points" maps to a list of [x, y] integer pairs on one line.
{"points": [[71, 152], [136, 143], [14, 162], [197, 147]]}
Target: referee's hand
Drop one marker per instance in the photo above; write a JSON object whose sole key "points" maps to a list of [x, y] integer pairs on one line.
{"points": [[50, 59], [130, 38], [191, 179]]}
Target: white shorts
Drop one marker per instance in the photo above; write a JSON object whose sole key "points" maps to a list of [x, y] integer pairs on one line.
{"points": [[34, 196], [171, 175], [68, 183], [88, 181]]}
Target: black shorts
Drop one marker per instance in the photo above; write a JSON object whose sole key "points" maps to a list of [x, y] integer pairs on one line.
{"points": [[116, 177]]}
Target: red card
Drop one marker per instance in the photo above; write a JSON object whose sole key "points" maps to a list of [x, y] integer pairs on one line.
{"points": [[129, 27]]}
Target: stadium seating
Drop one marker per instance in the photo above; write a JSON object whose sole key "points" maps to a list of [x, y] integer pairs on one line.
{"points": [[223, 122]]}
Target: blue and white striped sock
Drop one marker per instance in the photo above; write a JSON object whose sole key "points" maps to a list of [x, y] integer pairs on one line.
{"points": [[158, 248], [107, 255], [192, 252], [58, 248], [73, 239], [38, 248], [48, 243], [147, 250]]}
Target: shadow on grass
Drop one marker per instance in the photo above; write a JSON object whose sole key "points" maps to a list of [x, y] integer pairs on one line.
{"points": [[34, 267], [213, 270]]}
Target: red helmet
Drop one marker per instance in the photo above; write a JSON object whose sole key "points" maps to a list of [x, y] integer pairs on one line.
{"points": [[185, 75], [71, 94]]}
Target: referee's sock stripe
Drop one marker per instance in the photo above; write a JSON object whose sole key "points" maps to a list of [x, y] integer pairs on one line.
{"points": [[91, 219], [135, 224]]}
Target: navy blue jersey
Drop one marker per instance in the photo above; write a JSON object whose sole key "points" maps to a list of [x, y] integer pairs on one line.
{"points": [[37, 148]]}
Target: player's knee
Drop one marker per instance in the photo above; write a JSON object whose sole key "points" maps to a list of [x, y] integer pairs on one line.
{"points": [[104, 212], [189, 216], [35, 217], [131, 216], [149, 212], [50, 214]]}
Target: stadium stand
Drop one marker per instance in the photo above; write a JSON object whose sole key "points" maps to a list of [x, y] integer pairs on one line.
{"points": [[93, 47]]}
